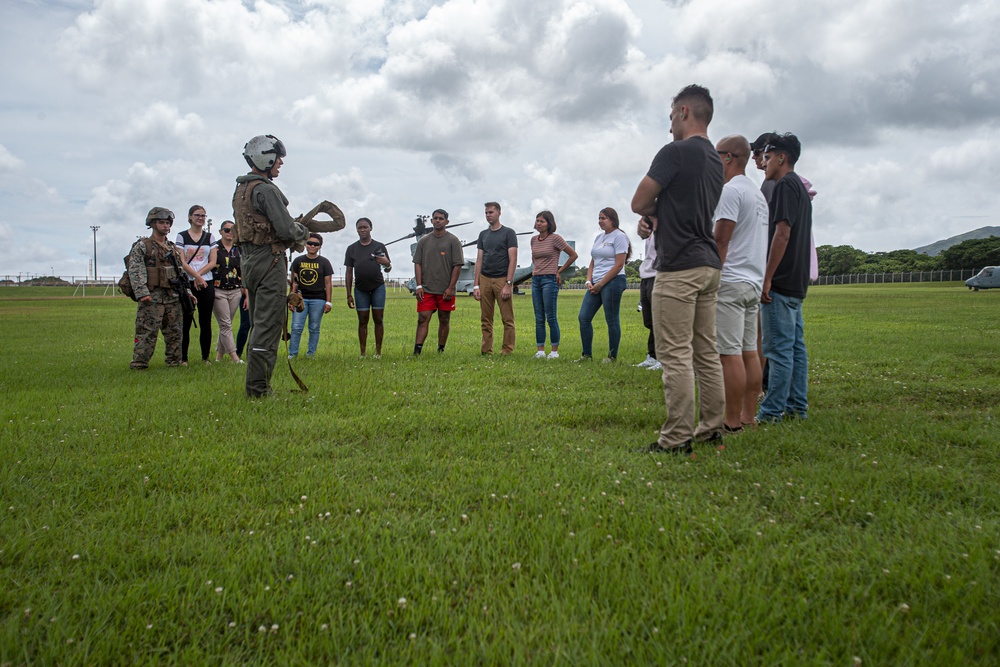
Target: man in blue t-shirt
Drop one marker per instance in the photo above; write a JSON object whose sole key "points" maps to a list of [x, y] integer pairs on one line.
{"points": [[786, 279], [677, 199]]}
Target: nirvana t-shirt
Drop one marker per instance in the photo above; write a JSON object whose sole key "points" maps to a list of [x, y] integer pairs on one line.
{"points": [[690, 173], [367, 272], [311, 275], [790, 203]]}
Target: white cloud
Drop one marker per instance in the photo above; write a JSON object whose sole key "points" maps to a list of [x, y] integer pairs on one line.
{"points": [[161, 123], [9, 163]]}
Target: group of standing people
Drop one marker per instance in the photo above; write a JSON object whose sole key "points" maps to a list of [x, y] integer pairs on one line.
{"points": [[716, 247], [722, 249]]}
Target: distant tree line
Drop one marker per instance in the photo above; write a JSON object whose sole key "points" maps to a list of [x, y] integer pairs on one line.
{"points": [[971, 254], [844, 259]]}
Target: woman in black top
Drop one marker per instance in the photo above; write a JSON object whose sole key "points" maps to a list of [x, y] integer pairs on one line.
{"points": [[228, 291]]}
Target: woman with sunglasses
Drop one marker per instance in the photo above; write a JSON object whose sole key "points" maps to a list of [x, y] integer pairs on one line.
{"points": [[312, 276], [196, 245], [228, 291]]}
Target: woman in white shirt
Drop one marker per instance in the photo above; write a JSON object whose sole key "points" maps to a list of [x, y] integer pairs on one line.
{"points": [[605, 284], [197, 246]]}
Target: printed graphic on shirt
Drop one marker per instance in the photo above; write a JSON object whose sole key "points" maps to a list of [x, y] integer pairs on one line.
{"points": [[309, 274]]}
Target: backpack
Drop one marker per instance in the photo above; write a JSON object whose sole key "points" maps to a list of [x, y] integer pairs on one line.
{"points": [[125, 283]]}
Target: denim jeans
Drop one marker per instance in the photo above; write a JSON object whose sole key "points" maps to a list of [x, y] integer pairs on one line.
{"points": [[314, 310], [544, 297], [785, 348], [610, 298]]}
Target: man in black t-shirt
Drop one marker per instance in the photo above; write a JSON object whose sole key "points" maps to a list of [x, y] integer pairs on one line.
{"points": [[496, 260], [312, 276], [786, 279], [365, 260], [677, 199]]}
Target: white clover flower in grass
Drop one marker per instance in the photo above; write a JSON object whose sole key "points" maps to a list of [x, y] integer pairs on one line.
{"points": [[218, 590], [232, 624], [413, 635], [857, 661], [402, 603], [465, 518], [76, 557], [904, 608], [274, 629], [304, 498], [347, 584], [516, 566], [324, 627]]}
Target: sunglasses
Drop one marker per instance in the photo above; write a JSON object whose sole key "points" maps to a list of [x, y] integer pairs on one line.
{"points": [[313, 243], [226, 230]]}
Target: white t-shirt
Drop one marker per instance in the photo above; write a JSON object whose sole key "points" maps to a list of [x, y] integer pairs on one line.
{"points": [[196, 256], [743, 203], [648, 267], [606, 246]]}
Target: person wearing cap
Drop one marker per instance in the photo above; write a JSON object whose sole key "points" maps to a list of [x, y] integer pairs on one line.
{"points": [[757, 150], [786, 280], [155, 266], [741, 235], [265, 230], [677, 199]]}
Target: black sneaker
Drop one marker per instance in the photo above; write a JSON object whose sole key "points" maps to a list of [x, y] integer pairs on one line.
{"points": [[657, 448]]}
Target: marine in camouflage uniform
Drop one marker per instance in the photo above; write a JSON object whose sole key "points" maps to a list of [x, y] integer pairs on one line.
{"points": [[265, 230], [150, 270]]}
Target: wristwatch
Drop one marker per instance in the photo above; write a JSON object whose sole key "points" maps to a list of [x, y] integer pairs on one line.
{"points": [[509, 282]]}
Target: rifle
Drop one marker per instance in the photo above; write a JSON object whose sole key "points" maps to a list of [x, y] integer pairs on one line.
{"points": [[180, 285]]}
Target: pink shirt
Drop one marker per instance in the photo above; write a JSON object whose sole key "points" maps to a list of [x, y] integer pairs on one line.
{"points": [[545, 254]]}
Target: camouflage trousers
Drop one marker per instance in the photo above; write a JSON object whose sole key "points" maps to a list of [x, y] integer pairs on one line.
{"points": [[151, 318]]}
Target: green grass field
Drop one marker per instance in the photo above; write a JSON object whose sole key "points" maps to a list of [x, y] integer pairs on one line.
{"points": [[456, 509]]}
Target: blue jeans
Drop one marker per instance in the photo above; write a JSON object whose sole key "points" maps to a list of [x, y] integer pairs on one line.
{"points": [[610, 298], [544, 297], [314, 311], [788, 365]]}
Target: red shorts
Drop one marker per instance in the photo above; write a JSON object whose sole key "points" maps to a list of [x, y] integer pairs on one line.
{"points": [[432, 302]]}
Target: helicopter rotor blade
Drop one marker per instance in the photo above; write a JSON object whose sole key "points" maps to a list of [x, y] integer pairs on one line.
{"points": [[402, 238]]}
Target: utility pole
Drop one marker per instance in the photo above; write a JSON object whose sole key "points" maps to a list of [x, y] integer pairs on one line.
{"points": [[95, 228]]}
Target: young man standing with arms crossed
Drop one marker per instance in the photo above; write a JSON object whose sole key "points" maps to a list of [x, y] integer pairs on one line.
{"points": [[681, 189], [496, 260]]}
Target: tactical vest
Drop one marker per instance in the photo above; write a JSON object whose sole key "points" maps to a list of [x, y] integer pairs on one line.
{"points": [[159, 269], [251, 226]]}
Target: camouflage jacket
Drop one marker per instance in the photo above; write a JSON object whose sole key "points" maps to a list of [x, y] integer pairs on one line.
{"points": [[151, 275]]}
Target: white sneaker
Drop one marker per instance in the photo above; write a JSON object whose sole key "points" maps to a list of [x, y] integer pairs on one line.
{"points": [[553, 355], [540, 354], [655, 366], [649, 361]]}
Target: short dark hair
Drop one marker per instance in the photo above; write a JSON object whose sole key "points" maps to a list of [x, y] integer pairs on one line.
{"points": [[360, 220], [761, 141], [786, 143], [699, 100], [549, 219], [314, 235], [441, 211], [494, 205]]}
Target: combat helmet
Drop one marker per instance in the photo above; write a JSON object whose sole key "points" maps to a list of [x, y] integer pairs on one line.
{"points": [[263, 151], [158, 213]]}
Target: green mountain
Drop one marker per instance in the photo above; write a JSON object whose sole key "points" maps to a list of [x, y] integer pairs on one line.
{"points": [[936, 247]]}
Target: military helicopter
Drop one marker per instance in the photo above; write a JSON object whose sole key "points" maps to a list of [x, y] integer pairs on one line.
{"points": [[988, 278], [466, 278]]}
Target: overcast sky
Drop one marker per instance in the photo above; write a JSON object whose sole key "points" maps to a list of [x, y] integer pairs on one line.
{"points": [[392, 109]]}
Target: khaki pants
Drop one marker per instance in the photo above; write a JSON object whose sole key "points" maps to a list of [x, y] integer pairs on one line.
{"points": [[489, 292], [684, 304]]}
